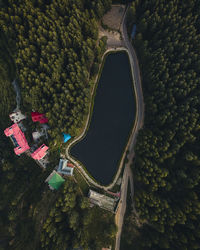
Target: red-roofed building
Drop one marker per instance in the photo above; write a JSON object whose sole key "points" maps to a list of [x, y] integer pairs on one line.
{"points": [[40, 152], [18, 138], [38, 117]]}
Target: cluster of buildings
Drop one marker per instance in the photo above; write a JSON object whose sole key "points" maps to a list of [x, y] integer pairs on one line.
{"points": [[55, 179], [40, 154], [17, 136]]}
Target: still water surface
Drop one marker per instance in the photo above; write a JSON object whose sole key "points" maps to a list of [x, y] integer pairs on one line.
{"points": [[112, 119]]}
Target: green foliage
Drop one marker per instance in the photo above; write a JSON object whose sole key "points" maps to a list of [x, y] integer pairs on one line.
{"points": [[50, 46], [167, 164], [7, 72], [71, 223], [55, 50]]}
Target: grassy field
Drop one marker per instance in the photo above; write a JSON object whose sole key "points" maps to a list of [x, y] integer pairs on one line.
{"points": [[81, 182]]}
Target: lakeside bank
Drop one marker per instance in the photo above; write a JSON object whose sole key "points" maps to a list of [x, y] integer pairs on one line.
{"points": [[111, 120]]}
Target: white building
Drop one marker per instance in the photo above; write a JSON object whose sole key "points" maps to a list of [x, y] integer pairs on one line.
{"points": [[17, 116]]}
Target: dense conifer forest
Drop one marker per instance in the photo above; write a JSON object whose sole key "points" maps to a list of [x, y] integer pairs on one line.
{"points": [[167, 164], [31, 215], [56, 52], [52, 48]]}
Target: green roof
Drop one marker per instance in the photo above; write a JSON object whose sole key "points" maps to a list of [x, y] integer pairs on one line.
{"points": [[56, 181]]}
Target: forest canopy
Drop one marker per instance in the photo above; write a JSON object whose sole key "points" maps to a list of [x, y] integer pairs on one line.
{"points": [[55, 49], [50, 47], [167, 163]]}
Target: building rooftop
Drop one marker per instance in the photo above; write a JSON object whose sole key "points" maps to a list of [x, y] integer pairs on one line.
{"points": [[39, 153], [18, 138], [66, 137], [54, 180], [102, 200], [17, 116], [65, 167], [38, 117]]}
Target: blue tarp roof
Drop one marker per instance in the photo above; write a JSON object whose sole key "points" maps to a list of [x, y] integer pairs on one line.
{"points": [[66, 137]]}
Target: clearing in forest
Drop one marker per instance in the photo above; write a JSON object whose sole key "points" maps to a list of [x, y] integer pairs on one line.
{"points": [[114, 17]]}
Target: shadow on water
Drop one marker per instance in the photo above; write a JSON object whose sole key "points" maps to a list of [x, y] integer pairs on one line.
{"points": [[112, 120]]}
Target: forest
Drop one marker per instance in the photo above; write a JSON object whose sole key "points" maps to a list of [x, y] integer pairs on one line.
{"points": [[56, 54], [51, 47], [167, 163]]}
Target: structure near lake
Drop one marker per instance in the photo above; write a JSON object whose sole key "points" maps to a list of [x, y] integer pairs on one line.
{"points": [[54, 180], [65, 167], [18, 138], [102, 200]]}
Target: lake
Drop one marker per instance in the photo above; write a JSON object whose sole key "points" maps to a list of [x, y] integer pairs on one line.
{"points": [[112, 119]]}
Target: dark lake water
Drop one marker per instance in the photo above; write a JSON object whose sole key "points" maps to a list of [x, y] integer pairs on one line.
{"points": [[112, 119]]}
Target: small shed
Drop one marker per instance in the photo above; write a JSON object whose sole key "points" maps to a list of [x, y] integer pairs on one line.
{"points": [[66, 137], [54, 180]]}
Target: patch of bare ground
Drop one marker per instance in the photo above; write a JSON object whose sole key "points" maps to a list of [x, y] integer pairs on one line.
{"points": [[111, 24], [114, 37], [113, 18]]}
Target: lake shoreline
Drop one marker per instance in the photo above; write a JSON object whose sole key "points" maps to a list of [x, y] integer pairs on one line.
{"points": [[119, 51]]}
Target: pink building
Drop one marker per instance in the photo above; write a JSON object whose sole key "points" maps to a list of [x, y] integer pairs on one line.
{"points": [[18, 138], [40, 153]]}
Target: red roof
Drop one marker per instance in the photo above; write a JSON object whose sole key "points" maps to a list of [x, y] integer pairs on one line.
{"points": [[38, 117], [70, 165], [18, 138], [40, 152]]}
